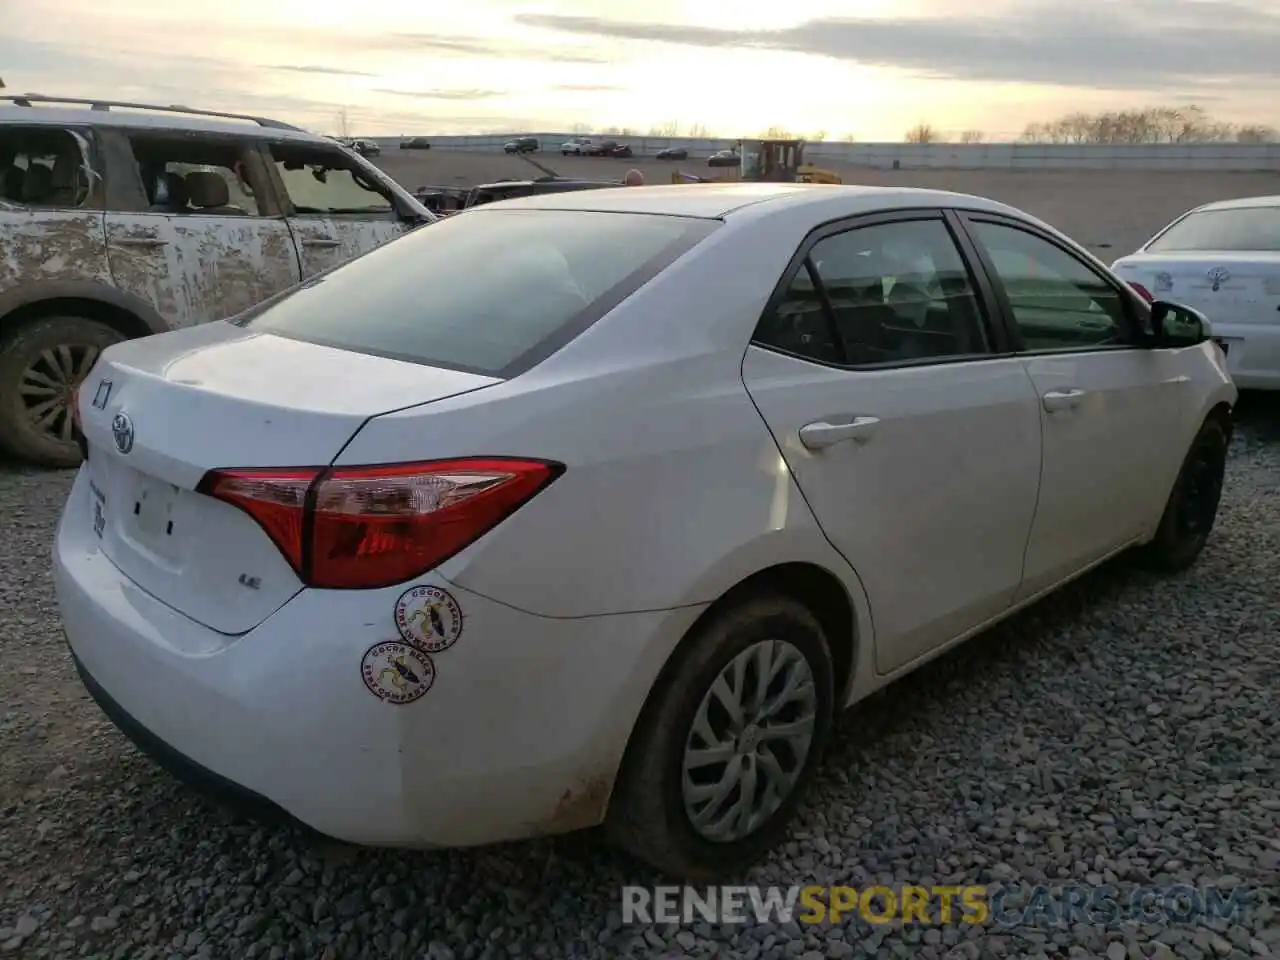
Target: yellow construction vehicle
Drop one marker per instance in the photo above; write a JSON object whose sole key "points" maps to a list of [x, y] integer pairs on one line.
{"points": [[762, 161]]}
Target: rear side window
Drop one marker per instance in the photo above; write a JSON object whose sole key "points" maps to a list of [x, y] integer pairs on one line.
{"points": [[488, 291], [1242, 228]]}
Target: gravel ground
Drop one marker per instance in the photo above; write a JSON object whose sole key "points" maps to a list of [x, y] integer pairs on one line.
{"points": [[1125, 731]]}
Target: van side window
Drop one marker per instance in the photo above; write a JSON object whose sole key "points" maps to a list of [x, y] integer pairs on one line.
{"points": [[46, 167]]}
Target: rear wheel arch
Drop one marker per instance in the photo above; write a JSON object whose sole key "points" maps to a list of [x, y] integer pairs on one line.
{"points": [[131, 316], [124, 321], [809, 584], [807, 605]]}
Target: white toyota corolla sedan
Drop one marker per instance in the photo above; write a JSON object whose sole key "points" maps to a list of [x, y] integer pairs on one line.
{"points": [[1223, 259], [596, 507]]}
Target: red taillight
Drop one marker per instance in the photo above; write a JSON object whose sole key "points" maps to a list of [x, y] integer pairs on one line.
{"points": [[1143, 292], [368, 527]]}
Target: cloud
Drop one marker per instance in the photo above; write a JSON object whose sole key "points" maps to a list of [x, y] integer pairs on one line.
{"points": [[584, 88], [330, 71], [443, 94], [1140, 44], [467, 46]]}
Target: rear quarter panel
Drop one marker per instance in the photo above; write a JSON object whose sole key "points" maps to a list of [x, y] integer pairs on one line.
{"points": [[41, 245], [674, 489]]}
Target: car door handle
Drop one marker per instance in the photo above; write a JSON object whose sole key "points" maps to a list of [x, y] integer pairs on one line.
{"points": [[143, 241], [820, 433], [1056, 400], [321, 242]]}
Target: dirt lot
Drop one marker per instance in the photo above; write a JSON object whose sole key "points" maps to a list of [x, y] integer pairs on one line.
{"points": [[1111, 212]]}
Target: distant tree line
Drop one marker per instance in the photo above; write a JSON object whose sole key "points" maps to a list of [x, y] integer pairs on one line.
{"points": [[1189, 124], [1186, 124]]}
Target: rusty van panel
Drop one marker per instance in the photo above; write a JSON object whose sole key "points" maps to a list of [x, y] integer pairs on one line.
{"points": [[195, 268]]}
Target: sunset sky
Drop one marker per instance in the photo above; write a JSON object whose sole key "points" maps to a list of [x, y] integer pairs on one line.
{"points": [[867, 68]]}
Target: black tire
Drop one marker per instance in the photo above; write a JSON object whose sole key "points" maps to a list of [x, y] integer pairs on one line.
{"points": [[1192, 507], [647, 815], [30, 355]]}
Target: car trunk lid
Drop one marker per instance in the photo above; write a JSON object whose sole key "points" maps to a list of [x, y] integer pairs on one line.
{"points": [[159, 413], [1227, 287]]}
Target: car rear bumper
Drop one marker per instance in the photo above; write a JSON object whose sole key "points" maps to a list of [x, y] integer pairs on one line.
{"points": [[519, 734], [1253, 353]]}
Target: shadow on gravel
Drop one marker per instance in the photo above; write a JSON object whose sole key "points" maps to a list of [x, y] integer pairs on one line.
{"points": [[1258, 417]]}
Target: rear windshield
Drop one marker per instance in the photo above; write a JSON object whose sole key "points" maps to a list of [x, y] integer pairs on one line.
{"points": [[1241, 228], [487, 291]]}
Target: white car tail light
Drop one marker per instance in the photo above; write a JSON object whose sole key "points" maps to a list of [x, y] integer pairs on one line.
{"points": [[369, 527]]}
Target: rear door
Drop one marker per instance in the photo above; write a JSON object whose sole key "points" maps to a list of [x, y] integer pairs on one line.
{"points": [[912, 434], [193, 227], [1110, 408], [338, 206]]}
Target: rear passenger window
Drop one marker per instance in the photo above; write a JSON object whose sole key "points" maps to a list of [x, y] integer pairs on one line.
{"points": [[45, 167], [195, 176], [889, 293]]}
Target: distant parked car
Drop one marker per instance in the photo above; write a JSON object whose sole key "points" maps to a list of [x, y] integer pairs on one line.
{"points": [[611, 148], [672, 153], [415, 143], [1223, 259], [366, 148], [724, 158], [578, 147], [521, 145]]}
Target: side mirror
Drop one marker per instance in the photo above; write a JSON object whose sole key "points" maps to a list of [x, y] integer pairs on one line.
{"points": [[1176, 325]]}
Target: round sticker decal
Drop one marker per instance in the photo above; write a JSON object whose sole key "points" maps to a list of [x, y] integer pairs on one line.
{"points": [[397, 672], [429, 618]]}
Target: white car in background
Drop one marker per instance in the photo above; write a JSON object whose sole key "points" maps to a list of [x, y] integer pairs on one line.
{"points": [[598, 506], [578, 146], [1223, 259]]}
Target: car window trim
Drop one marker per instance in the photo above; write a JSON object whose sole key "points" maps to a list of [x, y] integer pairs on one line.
{"points": [[1134, 334], [998, 345]]}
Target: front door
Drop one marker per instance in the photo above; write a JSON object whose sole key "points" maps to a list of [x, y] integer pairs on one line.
{"points": [[915, 444], [337, 209], [1110, 409], [201, 237]]}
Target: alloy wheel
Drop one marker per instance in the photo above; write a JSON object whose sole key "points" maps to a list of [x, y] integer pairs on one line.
{"points": [[750, 737], [48, 384]]}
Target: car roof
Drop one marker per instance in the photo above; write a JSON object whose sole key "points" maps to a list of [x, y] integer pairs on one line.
{"points": [[720, 200], [176, 120], [1240, 203]]}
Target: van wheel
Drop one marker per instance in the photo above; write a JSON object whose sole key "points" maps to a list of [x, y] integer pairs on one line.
{"points": [[1193, 504], [727, 743], [41, 364]]}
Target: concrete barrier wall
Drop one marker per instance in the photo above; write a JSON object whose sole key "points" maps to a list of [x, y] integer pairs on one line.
{"points": [[908, 156]]}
